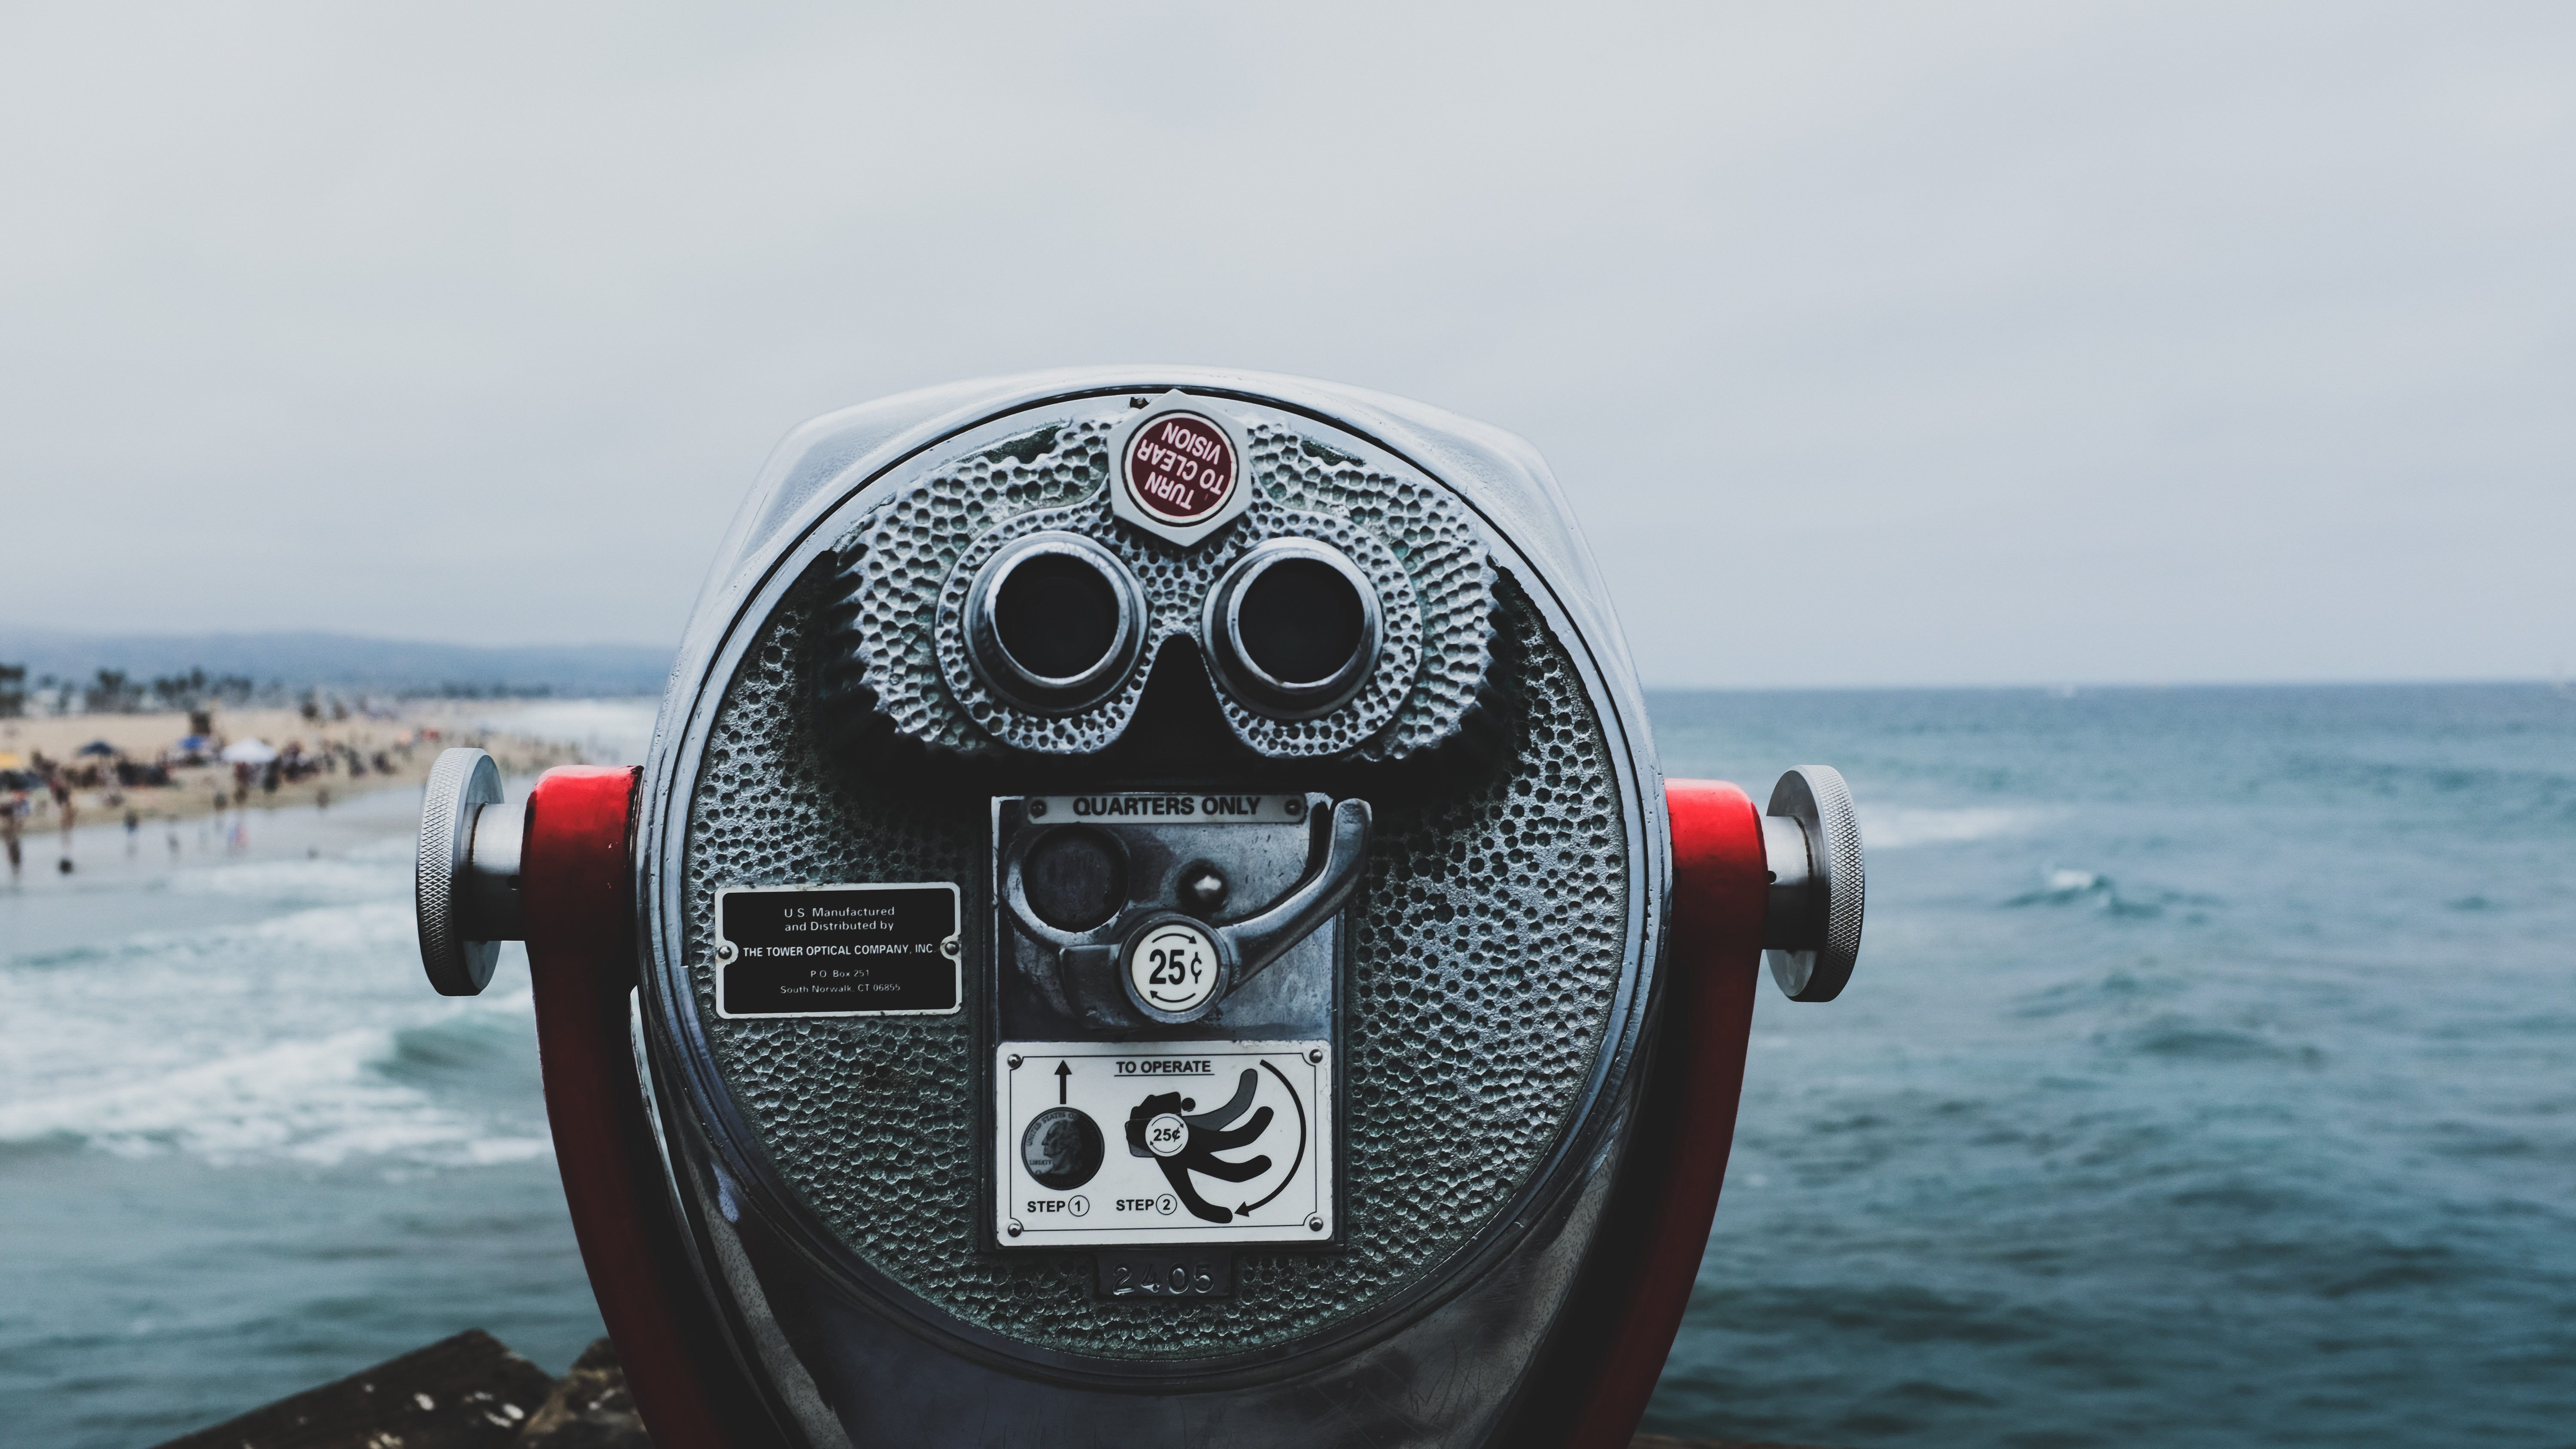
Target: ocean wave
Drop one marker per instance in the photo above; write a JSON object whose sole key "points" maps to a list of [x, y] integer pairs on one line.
{"points": [[320, 1101], [2116, 989], [92, 1016], [369, 874], [2066, 886], [305, 1036], [2183, 1038], [1900, 827], [339, 931]]}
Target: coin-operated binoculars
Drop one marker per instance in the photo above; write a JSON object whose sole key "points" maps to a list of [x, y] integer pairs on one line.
{"points": [[1152, 918]]}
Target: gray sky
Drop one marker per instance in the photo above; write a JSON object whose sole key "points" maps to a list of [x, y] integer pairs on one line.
{"points": [[1929, 344]]}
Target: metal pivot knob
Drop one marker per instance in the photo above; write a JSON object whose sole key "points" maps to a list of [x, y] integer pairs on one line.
{"points": [[465, 880], [1811, 838]]}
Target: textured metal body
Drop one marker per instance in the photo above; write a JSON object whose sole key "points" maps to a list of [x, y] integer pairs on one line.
{"points": [[908, 565], [1500, 968]]}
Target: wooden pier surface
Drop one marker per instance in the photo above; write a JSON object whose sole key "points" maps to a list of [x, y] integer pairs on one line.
{"points": [[472, 1392]]}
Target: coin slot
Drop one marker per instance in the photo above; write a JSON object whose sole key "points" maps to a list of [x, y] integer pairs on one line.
{"points": [[1075, 878]]}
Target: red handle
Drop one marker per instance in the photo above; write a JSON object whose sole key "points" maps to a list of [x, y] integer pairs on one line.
{"points": [[574, 876], [1615, 1335]]}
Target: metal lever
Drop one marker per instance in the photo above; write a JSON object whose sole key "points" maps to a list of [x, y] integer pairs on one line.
{"points": [[1265, 938], [465, 878], [1811, 841], [1242, 947]]}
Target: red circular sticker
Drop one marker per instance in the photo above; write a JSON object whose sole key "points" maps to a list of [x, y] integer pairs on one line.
{"points": [[1180, 467]]}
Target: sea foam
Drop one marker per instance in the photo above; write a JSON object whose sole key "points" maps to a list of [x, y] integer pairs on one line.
{"points": [[319, 1100], [281, 1038], [1898, 827]]}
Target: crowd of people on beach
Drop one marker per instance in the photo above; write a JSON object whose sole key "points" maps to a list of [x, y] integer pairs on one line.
{"points": [[47, 786], [36, 790]]}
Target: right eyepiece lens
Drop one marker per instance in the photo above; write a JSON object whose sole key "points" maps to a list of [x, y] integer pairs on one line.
{"points": [[1301, 621], [1056, 616], [1293, 628]]}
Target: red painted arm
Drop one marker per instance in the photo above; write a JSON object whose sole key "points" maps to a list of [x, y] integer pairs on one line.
{"points": [[575, 874], [1639, 1280]]}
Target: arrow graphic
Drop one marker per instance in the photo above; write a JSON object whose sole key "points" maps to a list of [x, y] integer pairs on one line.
{"points": [[1246, 1209], [1063, 1080]]}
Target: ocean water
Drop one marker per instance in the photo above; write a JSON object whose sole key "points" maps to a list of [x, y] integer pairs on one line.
{"points": [[2209, 1078], [243, 1148]]}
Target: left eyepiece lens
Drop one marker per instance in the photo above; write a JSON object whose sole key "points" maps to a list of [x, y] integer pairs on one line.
{"points": [[1056, 616], [1054, 621]]}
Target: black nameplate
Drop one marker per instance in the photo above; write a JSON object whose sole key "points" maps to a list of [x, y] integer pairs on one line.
{"points": [[1166, 1273], [837, 950]]}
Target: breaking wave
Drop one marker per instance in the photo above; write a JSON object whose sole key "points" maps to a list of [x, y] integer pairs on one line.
{"points": [[304, 1037], [320, 1101], [1900, 827]]}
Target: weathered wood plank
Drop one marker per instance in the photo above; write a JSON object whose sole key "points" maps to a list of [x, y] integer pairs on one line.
{"points": [[470, 1392], [589, 1409], [466, 1392]]}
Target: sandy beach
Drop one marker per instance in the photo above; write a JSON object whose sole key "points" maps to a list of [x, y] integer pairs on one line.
{"points": [[391, 750]]}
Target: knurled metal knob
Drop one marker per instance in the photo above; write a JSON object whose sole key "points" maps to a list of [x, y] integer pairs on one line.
{"points": [[1811, 838], [465, 879]]}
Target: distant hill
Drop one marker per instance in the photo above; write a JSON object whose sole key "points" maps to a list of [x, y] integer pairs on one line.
{"points": [[308, 660]]}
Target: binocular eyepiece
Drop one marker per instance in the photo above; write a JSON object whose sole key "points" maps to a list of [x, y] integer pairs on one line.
{"points": [[1054, 623], [1152, 915]]}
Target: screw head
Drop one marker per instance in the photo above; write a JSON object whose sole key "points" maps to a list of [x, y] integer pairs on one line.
{"points": [[1203, 888]]}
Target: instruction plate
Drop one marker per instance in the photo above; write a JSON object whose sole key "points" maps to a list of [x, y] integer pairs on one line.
{"points": [[1131, 1144], [838, 950]]}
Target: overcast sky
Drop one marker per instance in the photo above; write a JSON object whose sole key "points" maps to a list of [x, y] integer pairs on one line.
{"points": [[1963, 343]]}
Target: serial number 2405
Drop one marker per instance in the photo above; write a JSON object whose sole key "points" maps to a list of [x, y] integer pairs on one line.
{"points": [[1163, 1280]]}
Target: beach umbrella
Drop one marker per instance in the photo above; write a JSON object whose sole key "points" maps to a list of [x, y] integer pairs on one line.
{"points": [[9, 761], [249, 752], [98, 747], [194, 744]]}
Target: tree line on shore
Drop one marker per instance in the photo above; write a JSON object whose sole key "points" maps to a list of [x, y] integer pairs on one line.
{"points": [[114, 691]]}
